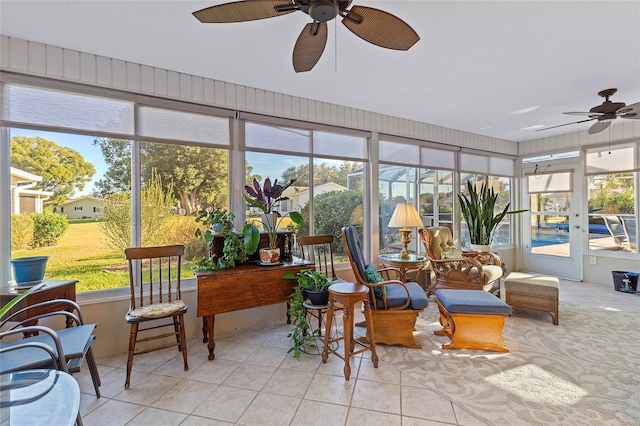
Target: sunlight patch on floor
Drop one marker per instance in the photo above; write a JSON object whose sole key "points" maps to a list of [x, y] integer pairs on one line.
{"points": [[534, 384]]}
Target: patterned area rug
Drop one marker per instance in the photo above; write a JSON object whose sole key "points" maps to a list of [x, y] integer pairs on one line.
{"points": [[585, 371]]}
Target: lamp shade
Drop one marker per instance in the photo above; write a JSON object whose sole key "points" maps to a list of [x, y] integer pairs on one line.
{"points": [[405, 216]]}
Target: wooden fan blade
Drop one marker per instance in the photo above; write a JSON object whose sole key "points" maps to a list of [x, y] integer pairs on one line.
{"points": [[599, 126], [590, 114], [309, 46], [566, 124], [241, 11], [630, 111], [380, 28]]}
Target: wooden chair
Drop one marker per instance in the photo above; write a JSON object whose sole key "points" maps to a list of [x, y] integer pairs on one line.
{"points": [[468, 271], [395, 307], [154, 279], [319, 250], [72, 344]]}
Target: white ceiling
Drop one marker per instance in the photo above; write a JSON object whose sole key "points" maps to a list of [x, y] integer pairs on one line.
{"points": [[494, 68]]}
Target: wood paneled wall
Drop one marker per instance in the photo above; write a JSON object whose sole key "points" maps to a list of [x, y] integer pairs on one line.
{"points": [[27, 57]]}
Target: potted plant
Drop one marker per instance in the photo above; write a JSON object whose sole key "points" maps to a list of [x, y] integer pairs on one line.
{"points": [[478, 210], [311, 283], [267, 197], [237, 244]]}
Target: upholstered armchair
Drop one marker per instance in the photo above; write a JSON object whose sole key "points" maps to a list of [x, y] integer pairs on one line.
{"points": [[454, 269], [395, 305]]}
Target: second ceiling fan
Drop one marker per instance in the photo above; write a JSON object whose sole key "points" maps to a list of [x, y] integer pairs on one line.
{"points": [[373, 25], [604, 113]]}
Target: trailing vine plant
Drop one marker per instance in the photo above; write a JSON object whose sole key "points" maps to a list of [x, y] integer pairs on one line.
{"points": [[302, 335]]}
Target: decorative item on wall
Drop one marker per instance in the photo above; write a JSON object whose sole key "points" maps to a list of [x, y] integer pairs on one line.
{"points": [[405, 216], [373, 25]]}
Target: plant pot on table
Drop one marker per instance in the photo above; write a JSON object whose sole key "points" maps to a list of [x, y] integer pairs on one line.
{"points": [[270, 255]]}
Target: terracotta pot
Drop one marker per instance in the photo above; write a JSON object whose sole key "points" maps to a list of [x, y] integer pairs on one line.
{"points": [[269, 255]]}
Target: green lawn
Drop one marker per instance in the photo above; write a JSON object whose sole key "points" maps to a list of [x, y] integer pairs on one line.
{"points": [[83, 254]]}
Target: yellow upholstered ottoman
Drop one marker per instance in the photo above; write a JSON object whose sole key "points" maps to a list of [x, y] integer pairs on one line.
{"points": [[533, 292]]}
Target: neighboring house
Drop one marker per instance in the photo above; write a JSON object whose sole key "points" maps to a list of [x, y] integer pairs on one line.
{"points": [[24, 198], [81, 208], [299, 195]]}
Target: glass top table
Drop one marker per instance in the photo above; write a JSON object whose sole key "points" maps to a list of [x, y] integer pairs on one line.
{"points": [[393, 260], [38, 397]]}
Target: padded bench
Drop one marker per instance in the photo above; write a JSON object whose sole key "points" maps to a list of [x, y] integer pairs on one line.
{"points": [[473, 319], [533, 292]]}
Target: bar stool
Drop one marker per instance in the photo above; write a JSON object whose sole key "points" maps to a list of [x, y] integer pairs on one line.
{"points": [[348, 294]]}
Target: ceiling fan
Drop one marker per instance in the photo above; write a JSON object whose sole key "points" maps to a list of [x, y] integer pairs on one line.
{"points": [[604, 113], [373, 25]]}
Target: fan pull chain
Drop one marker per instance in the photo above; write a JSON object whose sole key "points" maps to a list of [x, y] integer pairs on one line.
{"points": [[335, 47]]}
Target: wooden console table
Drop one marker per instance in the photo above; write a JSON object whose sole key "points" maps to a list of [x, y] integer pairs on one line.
{"points": [[245, 286], [53, 289]]}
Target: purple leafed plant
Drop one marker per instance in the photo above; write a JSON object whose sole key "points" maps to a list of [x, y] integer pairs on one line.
{"points": [[268, 197]]}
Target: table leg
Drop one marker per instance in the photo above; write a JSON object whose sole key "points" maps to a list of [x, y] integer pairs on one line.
{"points": [[205, 339], [209, 321], [69, 320]]}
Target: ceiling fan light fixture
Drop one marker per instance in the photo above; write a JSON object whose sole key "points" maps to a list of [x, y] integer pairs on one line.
{"points": [[323, 10]]}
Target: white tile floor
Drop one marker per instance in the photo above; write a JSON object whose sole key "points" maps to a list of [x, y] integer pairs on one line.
{"points": [[254, 381]]}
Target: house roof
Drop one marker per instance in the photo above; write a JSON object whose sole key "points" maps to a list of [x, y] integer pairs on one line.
{"points": [[22, 176], [495, 68], [80, 199]]}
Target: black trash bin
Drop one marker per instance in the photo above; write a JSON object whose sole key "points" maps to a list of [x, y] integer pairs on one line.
{"points": [[624, 281]]}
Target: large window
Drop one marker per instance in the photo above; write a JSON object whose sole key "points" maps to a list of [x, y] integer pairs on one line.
{"points": [[611, 180], [396, 184], [60, 184], [328, 192], [81, 200], [496, 172], [502, 187], [436, 197], [612, 218]]}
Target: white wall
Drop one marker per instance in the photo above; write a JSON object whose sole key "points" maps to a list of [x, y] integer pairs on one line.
{"points": [[112, 333]]}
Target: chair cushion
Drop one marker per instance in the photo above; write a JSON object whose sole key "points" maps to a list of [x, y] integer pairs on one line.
{"points": [[397, 296], [73, 340], [352, 241], [454, 253], [158, 310], [472, 302], [441, 240], [372, 275], [532, 284], [491, 273]]}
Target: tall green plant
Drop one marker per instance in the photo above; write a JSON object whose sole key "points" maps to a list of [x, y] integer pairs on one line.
{"points": [[478, 210]]}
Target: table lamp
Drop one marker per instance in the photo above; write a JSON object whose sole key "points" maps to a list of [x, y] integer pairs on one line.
{"points": [[405, 216]]}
